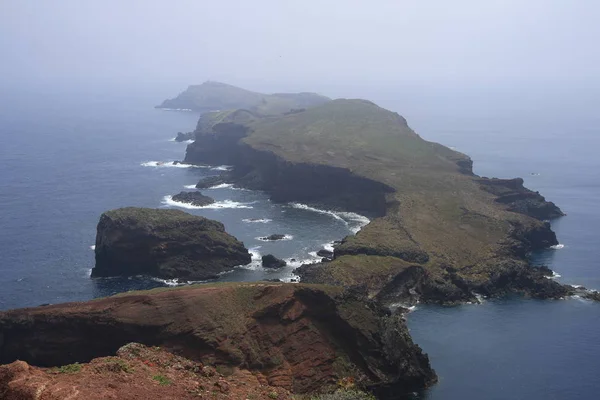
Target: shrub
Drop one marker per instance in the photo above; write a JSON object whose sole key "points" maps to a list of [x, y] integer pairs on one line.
{"points": [[162, 380], [70, 369], [343, 394]]}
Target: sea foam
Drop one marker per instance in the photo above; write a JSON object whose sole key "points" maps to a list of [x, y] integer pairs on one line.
{"points": [[354, 221], [168, 200], [169, 164], [557, 247], [257, 220]]}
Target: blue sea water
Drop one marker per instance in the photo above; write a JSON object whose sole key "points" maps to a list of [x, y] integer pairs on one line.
{"points": [[67, 157]]}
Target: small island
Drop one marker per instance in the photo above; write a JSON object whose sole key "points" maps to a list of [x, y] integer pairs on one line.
{"points": [[164, 243]]}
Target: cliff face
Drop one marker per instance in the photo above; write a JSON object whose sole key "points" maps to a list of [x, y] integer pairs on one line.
{"points": [[164, 243], [463, 232], [299, 337]]}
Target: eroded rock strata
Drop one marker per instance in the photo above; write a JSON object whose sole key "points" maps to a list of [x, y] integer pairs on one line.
{"points": [[434, 223], [164, 243], [302, 338]]}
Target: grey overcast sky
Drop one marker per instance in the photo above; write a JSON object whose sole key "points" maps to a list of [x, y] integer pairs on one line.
{"points": [[301, 43]]}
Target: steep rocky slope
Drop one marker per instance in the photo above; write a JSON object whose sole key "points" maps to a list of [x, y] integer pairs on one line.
{"points": [[164, 243], [302, 338], [135, 372], [467, 234]]}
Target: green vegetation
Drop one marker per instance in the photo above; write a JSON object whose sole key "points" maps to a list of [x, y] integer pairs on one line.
{"points": [[162, 380], [69, 369], [438, 215], [345, 394]]}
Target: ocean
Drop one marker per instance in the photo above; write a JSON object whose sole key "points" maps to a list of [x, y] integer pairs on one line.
{"points": [[65, 157]]}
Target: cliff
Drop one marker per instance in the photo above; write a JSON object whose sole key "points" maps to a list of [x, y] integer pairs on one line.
{"points": [[466, 234], [164, 243], [302, 338], [216, 96]]}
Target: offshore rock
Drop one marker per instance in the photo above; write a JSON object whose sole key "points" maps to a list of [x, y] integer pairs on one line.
{"points": [[193, 198], [164, 243]]}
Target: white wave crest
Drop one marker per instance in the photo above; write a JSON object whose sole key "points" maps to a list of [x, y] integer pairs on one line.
{"points": [[328, 246], [554, 275], [354, 221], [256, 261], [93, 247], [257, 220], [190, 186], [557, 247], [264, 238], [168, 200], [169, 164], [175, 281], [222, 186], [222, 168]]}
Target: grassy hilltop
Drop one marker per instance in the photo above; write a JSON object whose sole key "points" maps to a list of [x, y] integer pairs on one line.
{"points": [[456, 227]]}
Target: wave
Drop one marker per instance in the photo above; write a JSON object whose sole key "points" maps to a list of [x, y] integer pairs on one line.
{"points": [[354, 221], [190, 186], [93, 247], [174, 109], [557, 247], [256, 260], [222, 168], [285, 237], [222, 186], [328, 246], [169, 164], [175, 281], [554, 275], [168, 200], [257, 220]]}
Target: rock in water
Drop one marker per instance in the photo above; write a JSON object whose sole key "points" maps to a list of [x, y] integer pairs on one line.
{"points": [[182, 137], [211, 181], [325, 254], [273, 237], [193, 198], [164, 243], [303, 338], [270, 261]]}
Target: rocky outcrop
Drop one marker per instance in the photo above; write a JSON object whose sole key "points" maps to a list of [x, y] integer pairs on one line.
{"points": [[274, 237], [183, 137], [302, 338], [210, 181], [518, 198], [134, 372], [270, 261], [193, 198], [164, 243]]}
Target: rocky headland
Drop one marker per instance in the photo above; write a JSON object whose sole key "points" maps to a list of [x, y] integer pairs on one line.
{"points": [[216, 96], [164, 243], [296, 337], [439, 233]]}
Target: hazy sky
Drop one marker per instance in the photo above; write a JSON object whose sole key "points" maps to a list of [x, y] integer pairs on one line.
{"points": [[301, 44]]}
